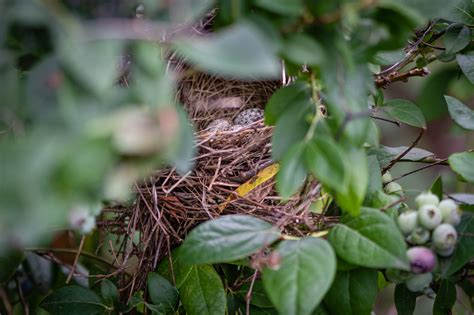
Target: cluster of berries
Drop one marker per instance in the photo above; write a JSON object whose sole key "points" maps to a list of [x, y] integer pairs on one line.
{"points": [[430, 230]]}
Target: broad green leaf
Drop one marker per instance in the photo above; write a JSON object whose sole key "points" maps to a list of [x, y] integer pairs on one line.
{"points": [[464, 248], [460, 113], [405, 300], [371, 240], [292, 173], [460, 11], [375, 177], [405, 112], [437, 187], [162, 293], [227, 238], [283, 7], [73, 300], [202, 292], [259, 296], [284, 99], [303, 49], [92, 63], [386, 154], [466, 63], [350, 199], [445, 298], [291, 128], [457, 37], [9, 263], [352, 292], [426, 9], [184, 149], [325, 160], [109, 292], [239, 51], [463, 165], [387, 58], [306, 272]]}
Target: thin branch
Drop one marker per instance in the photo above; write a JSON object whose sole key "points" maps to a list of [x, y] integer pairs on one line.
{"points": [[440, 162], [387, 120], [6, 302], [24, 303], [384, 81], [401, 155], [248, 297]]}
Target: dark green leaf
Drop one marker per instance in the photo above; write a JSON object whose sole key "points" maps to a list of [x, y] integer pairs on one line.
{"points": [[465, 247], [445, 298], [162, 293], [227, 238], [73, 300], [457, 37], [285, 98], [9, 262], [375, 177], [202, 292], [405, 112], [466, 62], [405, 300], [307, 270], [371, 239], [284, 7], [386, 154], [460, 113], [352, 292], [437, 187], [303, 49], [325, 159], [239, 51], [109, 292], [292, 173], [463, 165]]}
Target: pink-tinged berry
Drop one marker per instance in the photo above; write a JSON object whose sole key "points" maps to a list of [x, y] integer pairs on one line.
{"points": [[422, 259]]}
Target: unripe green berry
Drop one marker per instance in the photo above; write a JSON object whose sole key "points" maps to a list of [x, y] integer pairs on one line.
{"points": [[445, 252], [394, 188], [419, 236], [444, 236], [419, 282], [450, 212], [426, 198], [429, 217], [407, 221], [387, 177]]}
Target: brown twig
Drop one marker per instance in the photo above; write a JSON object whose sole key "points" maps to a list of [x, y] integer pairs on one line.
{"points": [[401, 155], [440, 162], [76, 260], [248, 296], [384, 81], [6, 302], [24, 303]]}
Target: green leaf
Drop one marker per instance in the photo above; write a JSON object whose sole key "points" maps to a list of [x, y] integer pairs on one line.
{"points": [[352, 292], [326, 159], [227, 238], [307, 270], [460, 113], [405, 300], [73, 300], [109, 292], [387, 58], [303, 49], [457, 37], [292, 173], [283, 7], [466, 63], [9, 263], [375, 177], [202, 292], [284, 99], [350, 199], [445, 298], [464, 251], [239, 51], [460, 11], [162, 293], [405, 112], [437, 187], [385, 154], [371, 240], [463, 165]]}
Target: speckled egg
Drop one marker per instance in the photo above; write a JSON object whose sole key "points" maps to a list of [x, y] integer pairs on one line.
{"points": [[218, 125], [248, 116]]}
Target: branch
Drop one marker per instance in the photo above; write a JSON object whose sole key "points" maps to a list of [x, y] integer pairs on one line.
{"points": [[401, 155], [384, 81]]}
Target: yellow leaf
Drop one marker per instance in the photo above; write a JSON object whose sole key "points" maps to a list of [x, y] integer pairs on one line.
{"points": [[263, 176]]}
